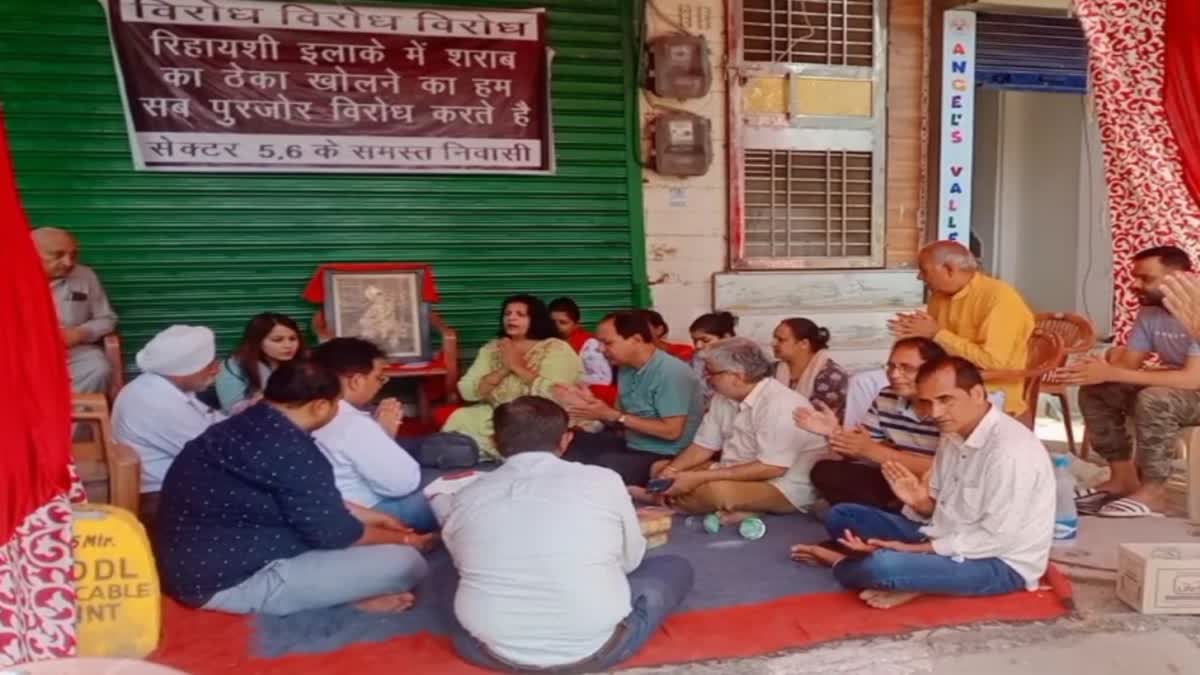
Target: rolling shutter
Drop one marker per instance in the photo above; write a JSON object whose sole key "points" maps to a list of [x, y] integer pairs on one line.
{"points": [[1031, 53], [214, 249]]}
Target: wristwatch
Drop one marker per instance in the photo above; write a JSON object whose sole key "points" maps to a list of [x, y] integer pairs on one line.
{"points": [[621, 419]]}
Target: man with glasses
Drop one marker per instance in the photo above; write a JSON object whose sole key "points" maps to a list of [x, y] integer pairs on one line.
{"points": [[764, 458], [892, 432]]}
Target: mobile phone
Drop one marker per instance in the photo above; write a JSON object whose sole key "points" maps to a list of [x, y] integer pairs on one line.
{"points": [[659, 485]]}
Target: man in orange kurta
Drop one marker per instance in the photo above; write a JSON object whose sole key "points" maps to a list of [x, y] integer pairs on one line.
{"points": [[972, 315]]}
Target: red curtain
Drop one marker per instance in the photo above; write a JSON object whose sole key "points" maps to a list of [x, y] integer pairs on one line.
{"points": [[1181, 86], [35, 418]]}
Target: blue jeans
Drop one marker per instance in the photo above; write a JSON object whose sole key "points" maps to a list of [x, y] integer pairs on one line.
{"points": [[916, 572], [413, 509], [656, 589]]}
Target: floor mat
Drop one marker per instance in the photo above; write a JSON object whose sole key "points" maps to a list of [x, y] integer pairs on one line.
{"points": [[749, 599]]}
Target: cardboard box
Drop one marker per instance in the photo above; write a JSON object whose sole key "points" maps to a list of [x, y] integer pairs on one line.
{"points": [[1160, 578]]}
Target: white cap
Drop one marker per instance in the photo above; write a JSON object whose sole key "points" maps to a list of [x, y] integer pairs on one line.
{"points": [[178, 351]]}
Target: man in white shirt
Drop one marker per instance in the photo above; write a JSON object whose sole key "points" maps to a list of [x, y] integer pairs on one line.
{"points": [[370, 469], [158, 413], [543, 548], [982, 524], [765, 459], [83, 308]]}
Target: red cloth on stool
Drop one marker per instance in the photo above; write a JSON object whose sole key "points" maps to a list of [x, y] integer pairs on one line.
{"points": [[315, 291], [442, 413], [681, 351], [578, 338]]}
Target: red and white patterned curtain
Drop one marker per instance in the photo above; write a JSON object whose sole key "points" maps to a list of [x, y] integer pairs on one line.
{"points": [[37, 596], [1148, 197]]}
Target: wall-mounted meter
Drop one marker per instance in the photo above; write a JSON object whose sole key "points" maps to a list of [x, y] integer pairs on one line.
{"points": [[682, 144], [680, 66]]}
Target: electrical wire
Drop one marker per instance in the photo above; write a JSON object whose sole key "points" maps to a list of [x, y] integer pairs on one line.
{"points": [[673, 23], [812, 30]]}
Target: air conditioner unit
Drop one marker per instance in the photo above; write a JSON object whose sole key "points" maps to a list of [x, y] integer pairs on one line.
{"points": [[1057, 7]]}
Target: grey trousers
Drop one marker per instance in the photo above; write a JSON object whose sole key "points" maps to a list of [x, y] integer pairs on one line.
{"points": [[320, 579], [90, 369]]}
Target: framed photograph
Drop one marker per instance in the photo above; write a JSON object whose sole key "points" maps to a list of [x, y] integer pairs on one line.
{"points": [[386, 308]]}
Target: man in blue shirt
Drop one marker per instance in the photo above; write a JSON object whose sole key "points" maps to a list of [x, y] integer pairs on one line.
{"points": [[660, 407], [1159, 401], [251, 521]]}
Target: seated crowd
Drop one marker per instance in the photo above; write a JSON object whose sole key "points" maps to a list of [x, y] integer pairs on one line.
{"points": [[292, 492]]}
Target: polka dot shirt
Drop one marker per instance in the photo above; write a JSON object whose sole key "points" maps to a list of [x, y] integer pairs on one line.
{"points": [[250, 490]]}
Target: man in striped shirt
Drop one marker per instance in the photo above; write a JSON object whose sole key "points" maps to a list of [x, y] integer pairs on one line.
{"points": [[892, 431]]}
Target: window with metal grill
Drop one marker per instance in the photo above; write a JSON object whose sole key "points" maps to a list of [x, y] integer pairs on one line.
{"points": [[802, 204], [825, 32]]}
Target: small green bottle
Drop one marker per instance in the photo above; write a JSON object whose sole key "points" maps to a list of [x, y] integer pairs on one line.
{"points": [[752, 528]]}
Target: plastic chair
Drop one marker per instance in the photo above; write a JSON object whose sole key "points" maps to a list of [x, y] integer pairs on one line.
{"points": [[1044, 353], [1078, 335]]}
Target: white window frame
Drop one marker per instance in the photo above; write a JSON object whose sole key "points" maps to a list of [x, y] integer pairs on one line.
{"points": [[815, 133]]}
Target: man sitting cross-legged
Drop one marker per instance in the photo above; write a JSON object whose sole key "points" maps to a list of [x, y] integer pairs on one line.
{"points": [[893, 431], [371, 470], [764, 460], [981, 525], [550, 555], [659, 406], [251, 521]]}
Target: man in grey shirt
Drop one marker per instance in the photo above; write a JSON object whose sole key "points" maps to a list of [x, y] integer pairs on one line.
{"points": [[83, 309]]}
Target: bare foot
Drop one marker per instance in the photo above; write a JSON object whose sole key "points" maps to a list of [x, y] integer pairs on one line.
{"points": [[392, 603], [815, 554], [888, 599], [1123, 479], [735, 517], [868, 594], [1117, 488]]}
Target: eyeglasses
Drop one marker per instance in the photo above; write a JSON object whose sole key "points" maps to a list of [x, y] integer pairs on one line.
{"points": [[902, 368]]}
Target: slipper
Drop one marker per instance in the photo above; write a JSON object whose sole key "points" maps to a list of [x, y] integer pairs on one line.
{"points": [[1089, 501], [1127, 508]]}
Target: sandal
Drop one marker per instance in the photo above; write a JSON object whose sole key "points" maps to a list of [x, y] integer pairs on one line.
{"points": [[1089, 501], [1127, 508]]}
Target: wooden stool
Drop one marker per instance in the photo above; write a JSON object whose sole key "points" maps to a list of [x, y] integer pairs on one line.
{"points": [[120, 604]]}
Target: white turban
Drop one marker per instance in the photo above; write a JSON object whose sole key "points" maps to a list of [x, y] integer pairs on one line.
{"points": [[178, 351]]}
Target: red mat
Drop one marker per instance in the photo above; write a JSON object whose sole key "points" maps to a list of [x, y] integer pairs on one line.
{"points": [[207, 642]]}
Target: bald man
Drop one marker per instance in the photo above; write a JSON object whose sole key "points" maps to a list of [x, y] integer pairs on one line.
{"points": [[970, 314], [83, 309]]}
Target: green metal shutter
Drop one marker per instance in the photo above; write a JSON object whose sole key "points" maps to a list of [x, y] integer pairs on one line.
{"points": [[214, 249]]}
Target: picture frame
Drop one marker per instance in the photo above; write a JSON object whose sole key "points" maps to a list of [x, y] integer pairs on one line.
{"points": [[386, 307]]}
